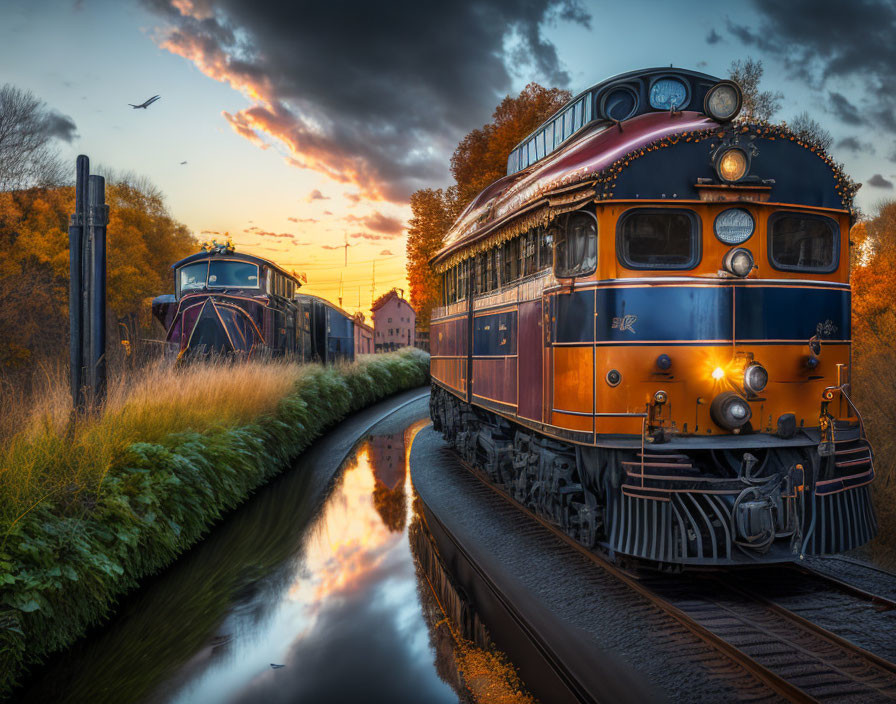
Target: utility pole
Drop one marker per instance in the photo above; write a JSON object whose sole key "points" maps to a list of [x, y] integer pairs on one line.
{"points": [[340, 288], [87, 289]]}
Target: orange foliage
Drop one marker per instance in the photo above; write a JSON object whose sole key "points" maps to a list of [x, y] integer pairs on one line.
{"points": [[874, 359], [142, 242], [479, 160]]}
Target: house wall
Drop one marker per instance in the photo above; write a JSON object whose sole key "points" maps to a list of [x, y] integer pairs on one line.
{"points": [[393, 325]]}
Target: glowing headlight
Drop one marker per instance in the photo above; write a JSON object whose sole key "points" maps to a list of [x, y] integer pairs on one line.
{"points": [[734, 226], [738, 262], [723, 101], [732, 165], [755, 378], [730, 411], [718, 373]]}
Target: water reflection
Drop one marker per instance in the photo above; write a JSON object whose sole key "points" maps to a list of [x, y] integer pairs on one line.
{"points": [[331, 596], [388, 459]]}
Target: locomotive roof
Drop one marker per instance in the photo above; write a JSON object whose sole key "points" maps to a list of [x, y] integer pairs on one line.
{"points": [[601, 102], [606, 160], [261, 261]]}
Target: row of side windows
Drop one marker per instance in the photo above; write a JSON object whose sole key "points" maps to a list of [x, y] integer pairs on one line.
{"points": [[552, 136], [279, 285], [646, 238], [501, 265]]}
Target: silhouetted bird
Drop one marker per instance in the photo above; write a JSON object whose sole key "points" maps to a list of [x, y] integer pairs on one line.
{"points": [[182, 163], [146, 104]]}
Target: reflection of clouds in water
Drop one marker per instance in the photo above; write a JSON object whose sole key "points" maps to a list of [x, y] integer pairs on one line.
{"points": [[349, 627]]}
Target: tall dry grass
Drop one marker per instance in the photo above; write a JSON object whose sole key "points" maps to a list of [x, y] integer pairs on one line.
{"points": [[43, 453]]}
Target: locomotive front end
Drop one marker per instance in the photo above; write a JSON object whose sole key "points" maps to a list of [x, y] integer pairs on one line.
{"points": [[645, 336]]}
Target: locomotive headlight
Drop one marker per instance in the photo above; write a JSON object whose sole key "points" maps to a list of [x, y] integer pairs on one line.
{"points": [[732, 165], [718, 373], [723, 101], [738, 262], [755, 378], [730, 411]]}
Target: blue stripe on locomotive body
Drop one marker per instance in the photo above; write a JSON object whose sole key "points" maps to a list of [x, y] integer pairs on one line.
{"points": [[494, 334], [699, 314], [791, 313]]}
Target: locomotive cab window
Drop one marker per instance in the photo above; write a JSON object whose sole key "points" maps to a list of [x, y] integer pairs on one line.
{"points": [[192, 276], [652, 238], [803, 242], [575, 246]]}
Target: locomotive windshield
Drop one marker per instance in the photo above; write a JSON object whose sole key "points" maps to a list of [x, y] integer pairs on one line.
{"points": [[192, 276], [799, 242], [658, 239], [232, 275], [217, 274]]}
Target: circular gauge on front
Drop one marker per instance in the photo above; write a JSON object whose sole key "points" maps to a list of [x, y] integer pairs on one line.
{"points": [[668, 94], [734, 226]]}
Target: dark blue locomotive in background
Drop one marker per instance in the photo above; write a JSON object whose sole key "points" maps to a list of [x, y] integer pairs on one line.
{"points": [[245, 306]]}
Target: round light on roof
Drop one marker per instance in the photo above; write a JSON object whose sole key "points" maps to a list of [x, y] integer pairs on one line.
{"points": [[732, 165], [619, 104], [739, 262], [734, 226], [723, 101], [668, 94]]}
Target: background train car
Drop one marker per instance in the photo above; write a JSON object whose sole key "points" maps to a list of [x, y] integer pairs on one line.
{"points": [[241, 305], [645, 329]]}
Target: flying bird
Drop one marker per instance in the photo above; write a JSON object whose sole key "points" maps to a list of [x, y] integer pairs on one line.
{"points": [[146, 104], [182, 163]]}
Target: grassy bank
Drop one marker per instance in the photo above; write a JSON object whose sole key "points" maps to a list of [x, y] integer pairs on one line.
{"points": [[88, 511]]}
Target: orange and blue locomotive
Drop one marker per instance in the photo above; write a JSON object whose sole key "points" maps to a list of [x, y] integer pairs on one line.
{"points": [[239, 305], [644, 333]]}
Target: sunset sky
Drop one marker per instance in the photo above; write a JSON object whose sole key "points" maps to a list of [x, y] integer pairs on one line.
{"points": [[307, 125]]}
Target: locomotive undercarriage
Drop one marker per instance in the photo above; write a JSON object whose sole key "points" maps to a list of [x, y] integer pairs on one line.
{"points": [[672, 507]]}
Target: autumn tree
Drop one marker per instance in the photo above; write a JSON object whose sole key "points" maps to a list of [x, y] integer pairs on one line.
{"points": [[759, 105], [873, 281], [143, 240], [431, 217], [479, 160], [481, 157]]}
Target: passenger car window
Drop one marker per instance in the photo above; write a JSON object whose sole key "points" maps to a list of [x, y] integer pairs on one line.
{"points": [[652, 238], [575, 246], [802, 242]]}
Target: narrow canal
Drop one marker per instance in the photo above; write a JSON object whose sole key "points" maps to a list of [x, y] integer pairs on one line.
{"points": [[308, 593]]}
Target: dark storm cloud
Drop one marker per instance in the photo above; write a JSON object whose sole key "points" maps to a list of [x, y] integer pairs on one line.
{"points": [[713, 37], [371, 94], [840, 106], [853, 144], [879, 181], [59, 126], [829, 40]]}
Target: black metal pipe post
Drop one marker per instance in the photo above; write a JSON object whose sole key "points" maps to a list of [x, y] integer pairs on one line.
{"points": [[76, 268], [97, 219]]}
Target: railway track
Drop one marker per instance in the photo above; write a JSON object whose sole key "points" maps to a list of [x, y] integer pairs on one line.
{"points": [[796, 658]]}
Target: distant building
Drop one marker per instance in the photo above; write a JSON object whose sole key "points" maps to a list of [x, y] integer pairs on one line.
{"points": [[394, 322], [363, 335]]}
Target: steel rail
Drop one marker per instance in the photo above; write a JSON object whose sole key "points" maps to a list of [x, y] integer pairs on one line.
{"points": [[772, 680], [882, 603]]}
